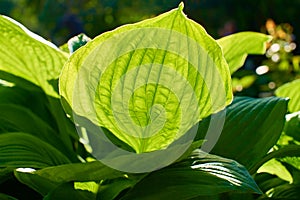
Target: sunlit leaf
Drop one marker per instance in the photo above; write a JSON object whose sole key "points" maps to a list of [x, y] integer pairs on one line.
{"points": [[237, 46], [149, 82], [29, 56], [291, 90], [275, 167]]}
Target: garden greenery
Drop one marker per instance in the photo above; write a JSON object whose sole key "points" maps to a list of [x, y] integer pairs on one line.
{"points": [[169, 77]]}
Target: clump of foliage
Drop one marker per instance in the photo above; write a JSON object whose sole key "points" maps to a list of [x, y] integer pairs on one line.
{"points": [[42, 155], [279, 66]]}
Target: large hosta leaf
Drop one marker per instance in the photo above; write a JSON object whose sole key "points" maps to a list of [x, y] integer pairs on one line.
{"points": [[25, 150], [27, 55], [148, 82], [45, 180], [291, 90], [15, 118], [91, 171], [292, 125], [200, 175], [237, 46], [252, 127]]}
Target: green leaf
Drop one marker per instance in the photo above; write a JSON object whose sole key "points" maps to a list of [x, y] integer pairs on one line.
{"points": [[252, 127], [14, 118], [292, 125], [282, 152], [287, 191], [5, 174], [6, 197], [29, 56], [67, 191], [92, 171], [36, 101], [90, 186], [112, 190], [202, 174], [268, 181], [25, 150], [40, 184], [148, 83], [291, 90], [275, 167], [46, 179], [236, 47]]}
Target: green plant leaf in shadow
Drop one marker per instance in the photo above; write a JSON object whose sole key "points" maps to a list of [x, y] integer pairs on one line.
{"points": [[22, 150], [252, 127], [200, 175]]}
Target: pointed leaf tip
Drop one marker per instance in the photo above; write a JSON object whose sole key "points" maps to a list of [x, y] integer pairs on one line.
{"points": [[181, 6]]}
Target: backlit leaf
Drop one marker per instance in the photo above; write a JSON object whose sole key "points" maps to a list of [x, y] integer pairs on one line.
{"points": [[148, 83], [237, 46], [27, 55], [291, 90]]}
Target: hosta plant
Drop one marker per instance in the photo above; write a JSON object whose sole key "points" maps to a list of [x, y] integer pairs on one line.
{"points": [[145, 111]]}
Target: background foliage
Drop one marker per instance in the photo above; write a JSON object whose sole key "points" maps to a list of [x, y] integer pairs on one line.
{"points": [[58, 20]]}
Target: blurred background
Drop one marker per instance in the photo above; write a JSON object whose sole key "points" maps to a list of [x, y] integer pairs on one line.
{"points": [[59, 20]]}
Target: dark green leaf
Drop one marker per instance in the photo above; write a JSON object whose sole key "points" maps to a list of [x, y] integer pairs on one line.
{"points": [[91, 171], [41, 185], [14, 118], [252, 127], [6, 197], [292, 125], [67, 191], [202, 174], [113, 189], [25, 150], [268, 181]]}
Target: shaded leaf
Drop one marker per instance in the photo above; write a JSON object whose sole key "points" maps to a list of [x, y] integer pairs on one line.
{"points": [[25, 150], [252, 127], [6, 197], [115, 188], [201, 174], [40, 184], [67, 191], [79, 172], [292, 125], [14, 118]]}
